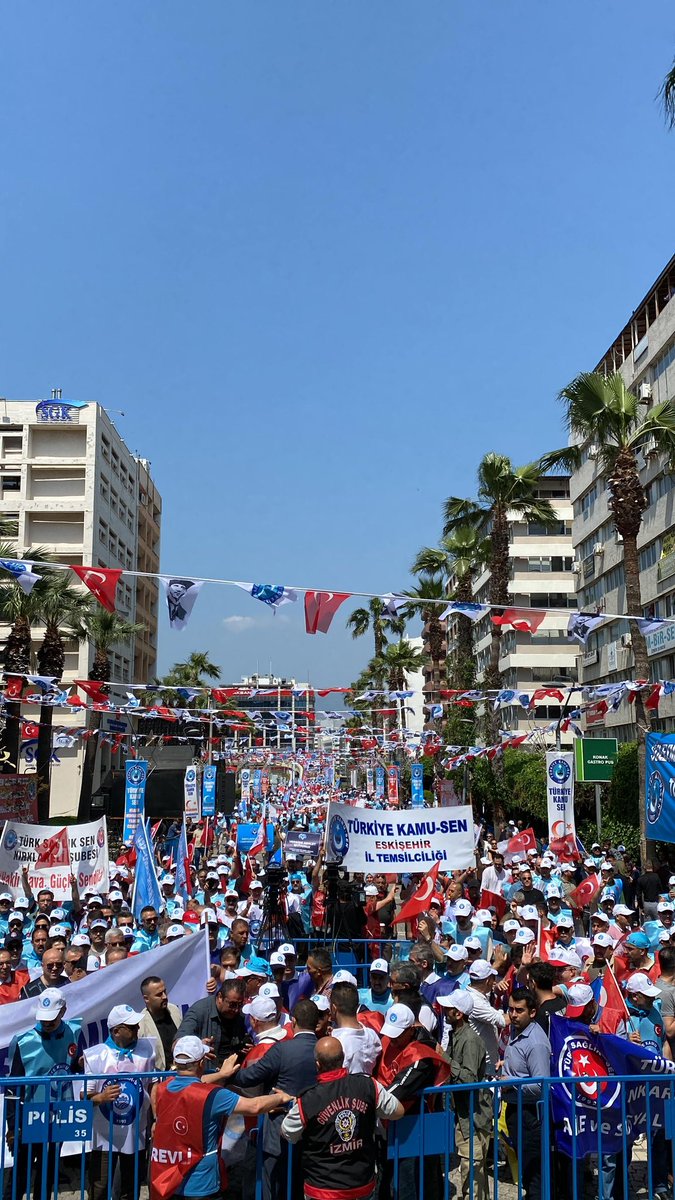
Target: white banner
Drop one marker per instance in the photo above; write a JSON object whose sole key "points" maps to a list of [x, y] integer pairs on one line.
{"points": [[181, 964], [191, 792], [560, 794], [369, 840], [88, 845]]}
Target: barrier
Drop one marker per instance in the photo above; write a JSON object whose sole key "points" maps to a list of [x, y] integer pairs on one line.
{"points": [[355, 954], [498, 1136]]}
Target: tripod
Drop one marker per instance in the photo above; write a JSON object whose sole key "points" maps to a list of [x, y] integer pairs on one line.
{"points": [[273, 926]]}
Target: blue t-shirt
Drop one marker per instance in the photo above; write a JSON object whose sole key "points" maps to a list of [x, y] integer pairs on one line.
{"points": [[204, 1179], [368, 999]]}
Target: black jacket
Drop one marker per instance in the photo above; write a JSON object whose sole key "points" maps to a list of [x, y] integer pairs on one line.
{"points": [[203, 1020]]}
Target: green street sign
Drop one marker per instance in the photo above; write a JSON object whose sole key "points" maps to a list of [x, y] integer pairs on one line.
{"points": [[594, 759]]}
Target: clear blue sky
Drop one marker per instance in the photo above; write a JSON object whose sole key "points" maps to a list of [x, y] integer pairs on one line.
{"points": [[324, 255]]}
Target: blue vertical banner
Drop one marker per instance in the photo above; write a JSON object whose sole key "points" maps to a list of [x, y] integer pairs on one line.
{"points": [[329, 774], [392, 784], [146, 886], [209, 792], [417, 785], [136, 774], [257, 785], [660, 783], [379, 782], [370, 781]]}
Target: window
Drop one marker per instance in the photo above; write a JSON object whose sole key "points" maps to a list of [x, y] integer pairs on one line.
{"points": [[664, 361], [650, 555], [584, 505], [555, 529], [11, 483]]}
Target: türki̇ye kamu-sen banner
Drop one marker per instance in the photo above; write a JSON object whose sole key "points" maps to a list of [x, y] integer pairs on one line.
{"points": [[87, 858], [364, 839]]}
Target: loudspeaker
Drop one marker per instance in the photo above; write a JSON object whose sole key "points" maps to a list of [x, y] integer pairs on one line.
{"points": [[226, 793]]}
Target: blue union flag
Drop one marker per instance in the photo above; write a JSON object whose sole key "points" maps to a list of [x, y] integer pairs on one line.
{"points": [[600, 1112]]}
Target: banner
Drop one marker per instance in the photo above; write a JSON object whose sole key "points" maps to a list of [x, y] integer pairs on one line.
{"points": [[181, 964], [209, 792], [392, 785], [370, 781], [245, 780], [257, 784], [560, 793], [417, 785], [136, 774], [577, 1053], [191, 794], [305, 845], [660, 783], [366, 840], [246, 836], [88, 850], [18, 798], [379, 782], [146, 885]]}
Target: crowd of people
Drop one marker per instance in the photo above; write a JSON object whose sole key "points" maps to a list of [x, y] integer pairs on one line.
{"points": [[333, 1039]]}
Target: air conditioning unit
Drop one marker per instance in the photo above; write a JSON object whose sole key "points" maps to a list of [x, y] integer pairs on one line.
{"points": [[649, 448], [618, 537], [645, 393], [598, 548], [576, 565], [626, 640], [592, 450]]}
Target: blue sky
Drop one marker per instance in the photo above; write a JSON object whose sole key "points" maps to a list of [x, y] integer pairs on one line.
{"points": [[324, 255]]}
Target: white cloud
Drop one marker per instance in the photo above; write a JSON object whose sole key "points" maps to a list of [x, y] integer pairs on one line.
{"points": [[238, 624]]}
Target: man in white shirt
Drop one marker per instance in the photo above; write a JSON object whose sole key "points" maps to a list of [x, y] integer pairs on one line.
{"points": [[494, 876], [361, 1045], [485, 1020]]}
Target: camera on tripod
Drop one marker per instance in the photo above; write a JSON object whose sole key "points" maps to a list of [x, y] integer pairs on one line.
{"points": [[276, 883]]}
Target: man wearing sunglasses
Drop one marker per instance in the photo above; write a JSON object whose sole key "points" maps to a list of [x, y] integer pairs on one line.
{"points": [[218, 1020]]}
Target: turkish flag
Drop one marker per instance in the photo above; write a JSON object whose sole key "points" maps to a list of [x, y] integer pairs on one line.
{"points": [[92, 688], [547, 940], [519, 844], [493, 900], [13, 687], [54, 851], [586, 892], [31, 730], [320, 608], [419, 901], [221, 695], [565, 848], [526, 620], [544, 693], [102, 582], [611, 1002]]}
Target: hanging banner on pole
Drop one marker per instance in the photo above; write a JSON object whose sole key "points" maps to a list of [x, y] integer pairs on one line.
{"points": [[366, 840], [560, 794], [191, 793], [370, 781], [354, 777], [209, 792], [379, 782], [257, 785], [86, 858], [392, 785], [660, 783], [136, 774], [417, 785], [245, 780]]}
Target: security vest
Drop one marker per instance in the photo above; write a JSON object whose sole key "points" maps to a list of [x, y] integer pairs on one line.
{"points": [[178, 1138], [122, 1122], [52, 1054], [339, 1118]]}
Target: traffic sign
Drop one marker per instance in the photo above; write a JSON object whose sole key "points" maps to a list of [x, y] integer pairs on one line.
{"points": [[594, 759]]}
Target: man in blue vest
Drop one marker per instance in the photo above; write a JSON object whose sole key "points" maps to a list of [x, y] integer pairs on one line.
{"points": [[51, 1048]]}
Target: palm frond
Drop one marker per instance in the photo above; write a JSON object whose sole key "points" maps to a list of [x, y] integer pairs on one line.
{"points": [[667, 97], [567, 459]]}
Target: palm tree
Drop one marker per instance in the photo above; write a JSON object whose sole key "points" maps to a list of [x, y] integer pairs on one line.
{"points": [[375, 617], [667, 94], [20, 612], [459, 557], [104, 630], [59, 605], [398, 660], [196, 671], [429, 594], [502, 489], [602, 410]]}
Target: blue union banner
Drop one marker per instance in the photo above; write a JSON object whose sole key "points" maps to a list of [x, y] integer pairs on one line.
{"points": [[660, 784]]}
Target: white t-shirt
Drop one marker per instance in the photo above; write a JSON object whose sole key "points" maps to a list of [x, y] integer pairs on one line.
{"points": [[361, 1049]]}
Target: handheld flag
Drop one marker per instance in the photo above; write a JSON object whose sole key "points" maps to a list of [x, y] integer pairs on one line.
{"points": [[260, 840], [518, 845], [586, 892], [183, 887], [493, 900], [146, 887], [54, 851], [419, 901], [613, 1007]]}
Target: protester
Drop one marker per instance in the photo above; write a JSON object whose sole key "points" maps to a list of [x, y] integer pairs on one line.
{"points": [[527, 1056], [53, 975], [160, 1020], [360, 1045], [218, 1020]]}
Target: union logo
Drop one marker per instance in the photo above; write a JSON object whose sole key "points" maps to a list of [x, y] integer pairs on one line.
{"points": [[580, 1060]]}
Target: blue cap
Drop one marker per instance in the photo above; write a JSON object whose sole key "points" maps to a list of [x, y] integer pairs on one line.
{"points": [[259, 966], [638, 939]]}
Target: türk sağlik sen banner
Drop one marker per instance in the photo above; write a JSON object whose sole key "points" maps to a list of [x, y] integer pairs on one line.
{"points": [[368, 840]]}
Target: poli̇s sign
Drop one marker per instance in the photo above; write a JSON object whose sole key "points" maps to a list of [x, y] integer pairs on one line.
{"points": [[660, 783]]}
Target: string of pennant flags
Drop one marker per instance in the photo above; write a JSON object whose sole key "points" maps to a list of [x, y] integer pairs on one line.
{"points": [[320, 606]]}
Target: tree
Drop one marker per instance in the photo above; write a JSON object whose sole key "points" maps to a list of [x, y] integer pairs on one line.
{"points": [[103, 630], [196, 671], [396, 661], [602, 410], [502, 489], [458, 558], [667, 95], [428, 595], [376, 618], [20, 612]]}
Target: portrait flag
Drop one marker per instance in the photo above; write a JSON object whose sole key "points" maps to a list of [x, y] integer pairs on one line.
{"points": [[101, 581], [53, 851], [22, 571], [645, 624], [581, 625], [320, 608], [419, 901], [181, 595]]}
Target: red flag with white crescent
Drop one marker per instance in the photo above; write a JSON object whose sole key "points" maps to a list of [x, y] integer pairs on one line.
{"points": [[102, 581], [585, 893], [54, 851], [320, 608], [419, 901]]}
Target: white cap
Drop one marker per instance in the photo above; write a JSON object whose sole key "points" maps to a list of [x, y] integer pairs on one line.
{"points": [[601, 916], [81, 939], [231, 893], [123, 1014], [459, 999], [473, 943], [370, 890], [6, 896], [602, 939], [168, 879], [344, 977], [277, 960], [190, 1050], [641, 984], [174, 931], [578, 996], [22, 902], [463, 908], [622, 910], [607, 895], [208, 917], [15, 915], [567, 866], [397, 1019], [262, 1008], [287, 948], [664, 936], [255, 883], [270, 990], [115, 895], [524, 937], [589, 862], [322, 1002], [510, 925], [671, 883], [564, 921], [59, 931], [457, 953], [51, 1004], [93, 898], [528, 912], [665, 906], [606, 866], [380, 964], [481, 970]]}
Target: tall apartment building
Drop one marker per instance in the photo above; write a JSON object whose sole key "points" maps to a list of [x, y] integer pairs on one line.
{"points": [[540, 576], [74, 489], [644, 353]]}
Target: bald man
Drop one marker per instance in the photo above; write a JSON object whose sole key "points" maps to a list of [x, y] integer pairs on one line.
{"points": [[358, 1101]]}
